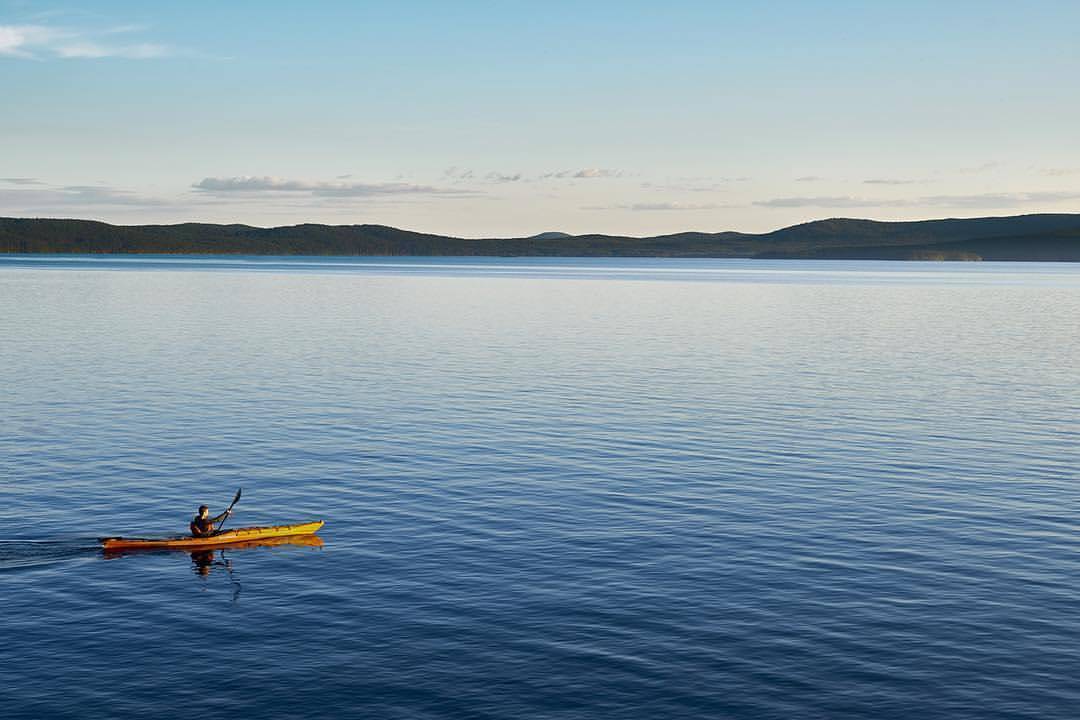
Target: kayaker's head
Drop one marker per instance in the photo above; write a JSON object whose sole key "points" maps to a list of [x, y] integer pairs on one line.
{"points": [[203, 511]]}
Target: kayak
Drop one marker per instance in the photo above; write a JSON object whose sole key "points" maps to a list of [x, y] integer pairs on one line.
{"points": [[226, 537], [300, 540]]}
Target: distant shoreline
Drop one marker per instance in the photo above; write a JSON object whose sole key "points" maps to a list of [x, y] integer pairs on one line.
{"points": [[1022, 238], [223, 255]]}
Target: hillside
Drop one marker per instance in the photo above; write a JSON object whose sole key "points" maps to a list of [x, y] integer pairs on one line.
{"points": [[1047, 237]]}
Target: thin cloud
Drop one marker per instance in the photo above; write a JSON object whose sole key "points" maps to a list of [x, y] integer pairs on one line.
{"points": [[458, 173], [503, 177], [984, 200], [21, 181], [1059, 172], [999, 200], [75, 196], [979, 169], [648, 207], [823, 202], [590, 173], [461, 174], [37, 42], [659, 206], [889, 181], [695, 187], [252, 185], [104, 195], [596, 173], [128, 28], [809, 178], [93, 50]]}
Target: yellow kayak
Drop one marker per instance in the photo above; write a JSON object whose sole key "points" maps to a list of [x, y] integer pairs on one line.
{"points": [[226, 537]]}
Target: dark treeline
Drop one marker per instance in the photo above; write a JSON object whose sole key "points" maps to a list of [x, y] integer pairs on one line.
{"points": [[1047, 237]]}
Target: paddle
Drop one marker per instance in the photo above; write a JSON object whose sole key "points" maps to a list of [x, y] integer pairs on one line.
{"points": [[234, 501]]}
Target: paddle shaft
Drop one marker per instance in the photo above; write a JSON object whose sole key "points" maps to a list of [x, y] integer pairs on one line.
{"points": [[234, 501]]}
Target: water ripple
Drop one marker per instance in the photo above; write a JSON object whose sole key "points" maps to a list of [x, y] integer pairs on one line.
{"points": [[553, 489]]}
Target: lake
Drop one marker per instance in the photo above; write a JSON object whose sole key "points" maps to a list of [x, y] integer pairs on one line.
{"points": [[553, 488]]}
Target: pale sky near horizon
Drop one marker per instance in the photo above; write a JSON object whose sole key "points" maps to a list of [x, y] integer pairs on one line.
{"points": [[512, 118]]}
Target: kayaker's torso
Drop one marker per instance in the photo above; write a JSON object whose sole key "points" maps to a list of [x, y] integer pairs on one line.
{"points": [[204, 526]]}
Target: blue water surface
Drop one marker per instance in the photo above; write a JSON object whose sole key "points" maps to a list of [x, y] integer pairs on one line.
{"points": [[554, 488]]}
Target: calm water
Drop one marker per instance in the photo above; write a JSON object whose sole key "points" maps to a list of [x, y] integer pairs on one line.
{"points": [[553, 488]]}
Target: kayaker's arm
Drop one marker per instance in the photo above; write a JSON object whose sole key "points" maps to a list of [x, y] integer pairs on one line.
{"points": [[219, 518]]}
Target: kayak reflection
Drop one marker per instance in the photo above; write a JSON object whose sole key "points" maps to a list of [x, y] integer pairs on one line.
{"points": [[204, 560], [205, 557]]}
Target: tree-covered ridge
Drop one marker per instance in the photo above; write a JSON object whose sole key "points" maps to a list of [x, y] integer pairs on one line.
{"points": [[1047, 237]]}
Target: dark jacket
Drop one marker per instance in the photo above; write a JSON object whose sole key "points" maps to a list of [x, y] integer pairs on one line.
{"points": [[204, 527]]}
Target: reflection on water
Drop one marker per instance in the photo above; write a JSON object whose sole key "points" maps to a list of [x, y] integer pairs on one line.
{"points": [[205, 560], [792, 490]]}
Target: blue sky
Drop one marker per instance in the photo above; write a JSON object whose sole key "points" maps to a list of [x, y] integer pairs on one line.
{"points": [[510, 118]]}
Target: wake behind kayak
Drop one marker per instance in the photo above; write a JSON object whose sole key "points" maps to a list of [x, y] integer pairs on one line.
{"points": [[22, 554]]}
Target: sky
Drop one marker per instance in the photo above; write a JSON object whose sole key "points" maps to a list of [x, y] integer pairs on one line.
{"points": [[508, 118]]}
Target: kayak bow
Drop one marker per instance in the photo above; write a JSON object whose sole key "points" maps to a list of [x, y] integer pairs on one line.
{"points": [[227, 537]]}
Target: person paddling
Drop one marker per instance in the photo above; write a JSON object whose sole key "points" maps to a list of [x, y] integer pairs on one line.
{"points": [[202, 525]]}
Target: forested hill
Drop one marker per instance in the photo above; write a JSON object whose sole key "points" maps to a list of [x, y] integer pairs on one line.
{"points": [[1046, 237]]}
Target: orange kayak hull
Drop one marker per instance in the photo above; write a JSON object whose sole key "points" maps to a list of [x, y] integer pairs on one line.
{"points": [[227, 537]]}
